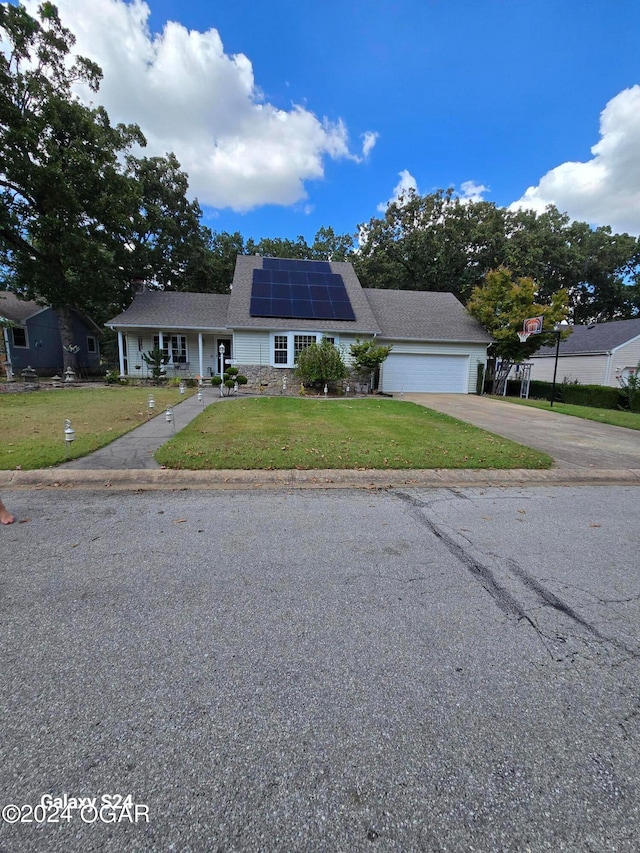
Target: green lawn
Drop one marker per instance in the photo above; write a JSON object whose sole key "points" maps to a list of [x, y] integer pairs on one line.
{"points": [[615, 417], [32, 424], [286, 433]]}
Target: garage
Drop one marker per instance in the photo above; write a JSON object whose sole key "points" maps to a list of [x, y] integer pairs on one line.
{"points": [[415, 372]]}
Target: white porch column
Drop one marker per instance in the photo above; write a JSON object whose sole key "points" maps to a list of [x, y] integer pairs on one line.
{"points": [[121, 353], [200, 359], [161, 340]]}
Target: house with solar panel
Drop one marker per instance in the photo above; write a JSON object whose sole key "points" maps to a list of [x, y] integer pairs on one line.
{"points": [[278, 306]]}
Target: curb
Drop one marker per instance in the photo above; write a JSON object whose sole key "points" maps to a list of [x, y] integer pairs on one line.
{"points": [[164, 478]]}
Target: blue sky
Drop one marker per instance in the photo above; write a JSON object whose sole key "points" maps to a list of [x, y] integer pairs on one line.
{"points": [[297, 115]]}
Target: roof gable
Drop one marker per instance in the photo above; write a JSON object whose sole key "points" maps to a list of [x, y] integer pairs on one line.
{"points": [[239, 316]]}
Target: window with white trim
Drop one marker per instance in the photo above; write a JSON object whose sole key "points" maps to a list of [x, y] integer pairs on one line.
{"points": [[174, 347], [165, 344], [280, 349], [287, 346], [178, 349], [301, 342]]}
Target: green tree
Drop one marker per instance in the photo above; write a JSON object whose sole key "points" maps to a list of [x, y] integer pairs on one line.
{"points": [[156, 360], [433, 242], [367, 356], [64, 195], [439, 242], [321, 364], [326, 246], [502, 304], [165, 243], [329, 246]]}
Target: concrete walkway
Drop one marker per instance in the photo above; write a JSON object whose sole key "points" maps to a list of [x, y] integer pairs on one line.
{"points": [[574, 443], [135, 450]]}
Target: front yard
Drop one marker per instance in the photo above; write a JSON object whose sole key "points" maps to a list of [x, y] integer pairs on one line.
{"points": [[286, 433], [32, 423]]}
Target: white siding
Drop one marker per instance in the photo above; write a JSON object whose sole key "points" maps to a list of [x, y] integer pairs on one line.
{"points": [[251, 347], [257, 347], [137, 367], [587, 369], [624, 356]]}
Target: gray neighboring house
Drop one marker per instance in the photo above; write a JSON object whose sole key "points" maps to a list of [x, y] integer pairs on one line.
{"points": [[593, 355], [437, 345], [32, 337]]}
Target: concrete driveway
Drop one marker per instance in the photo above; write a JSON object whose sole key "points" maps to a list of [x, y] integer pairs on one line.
{"points": [[572, 442]]}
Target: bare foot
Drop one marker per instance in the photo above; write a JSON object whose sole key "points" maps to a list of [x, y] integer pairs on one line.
{"points": [[5, 515]]}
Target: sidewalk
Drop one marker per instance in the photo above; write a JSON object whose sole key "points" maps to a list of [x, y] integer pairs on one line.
{"points": [[134, 451]]}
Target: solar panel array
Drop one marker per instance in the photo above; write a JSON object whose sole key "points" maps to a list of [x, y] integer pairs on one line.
{"points": [[302, 290]]}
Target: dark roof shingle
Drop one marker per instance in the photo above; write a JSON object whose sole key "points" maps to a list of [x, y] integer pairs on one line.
{"points": [[162, 308], [600, 338], [424, 315], [15, 309]]}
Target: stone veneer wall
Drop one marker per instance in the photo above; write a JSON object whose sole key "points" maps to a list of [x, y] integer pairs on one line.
{"points": [[268, 379]]}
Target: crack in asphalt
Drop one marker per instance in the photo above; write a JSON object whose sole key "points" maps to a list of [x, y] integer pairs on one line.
{"points": [[505, 600]]}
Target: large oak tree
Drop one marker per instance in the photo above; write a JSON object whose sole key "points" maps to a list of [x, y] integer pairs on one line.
{"points": [[64, 194]]}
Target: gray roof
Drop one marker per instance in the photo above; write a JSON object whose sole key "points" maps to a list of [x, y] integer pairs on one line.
{"points": [[392, 314], [240, 318], [15, 309], [168, 309], [425, 316], [600, 338]]}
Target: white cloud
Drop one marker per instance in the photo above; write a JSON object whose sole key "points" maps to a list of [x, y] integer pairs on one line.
{"points": [[369, 139], [404, 186], [191, 97], [470, 191], [606, 189]]}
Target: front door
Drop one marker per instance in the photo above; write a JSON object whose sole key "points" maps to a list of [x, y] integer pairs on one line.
{"points": [[226, 342]]}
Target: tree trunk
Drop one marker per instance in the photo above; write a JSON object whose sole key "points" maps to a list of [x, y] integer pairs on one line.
{"points": [[69, 347]]}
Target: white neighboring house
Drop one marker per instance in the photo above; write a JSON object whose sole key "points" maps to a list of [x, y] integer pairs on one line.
{"points": [[278, 306], [593, 355]]}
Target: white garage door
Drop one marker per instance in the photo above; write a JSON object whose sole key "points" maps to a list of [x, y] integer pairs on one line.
{"points": [[447, 374]]}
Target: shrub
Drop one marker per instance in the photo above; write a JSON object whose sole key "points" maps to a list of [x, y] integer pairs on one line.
{"points": [[367, 357], [321, 364], [630, 389], [156, 360], [597, 396]]}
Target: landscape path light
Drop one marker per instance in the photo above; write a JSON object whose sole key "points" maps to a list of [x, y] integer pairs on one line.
{"points": [[182, 388], [151, 404], [200, 396], [168, 416], [69, 435]]}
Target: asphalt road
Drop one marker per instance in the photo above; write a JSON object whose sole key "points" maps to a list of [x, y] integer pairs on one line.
{"points": [[419, 670]]}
